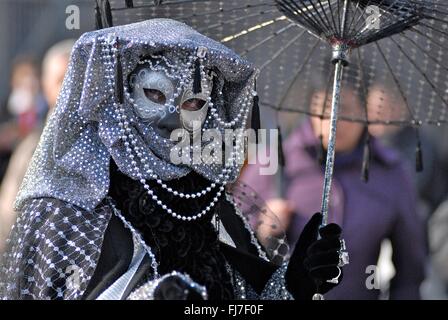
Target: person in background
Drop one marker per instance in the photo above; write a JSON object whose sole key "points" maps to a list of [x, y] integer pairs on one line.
{"points": [[383, 208], [54, 66], [432, 186], [17, 113], [431, 182], [26, 103]]}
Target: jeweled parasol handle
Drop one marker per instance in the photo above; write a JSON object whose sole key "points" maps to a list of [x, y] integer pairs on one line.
{"points": [[340, 52], [331, 141], [339, 58], [331, 148]]}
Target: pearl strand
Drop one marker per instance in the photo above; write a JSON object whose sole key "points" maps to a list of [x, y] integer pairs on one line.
{"points": [[133, 141], [244, 112], [175, 70], [189, 62]]}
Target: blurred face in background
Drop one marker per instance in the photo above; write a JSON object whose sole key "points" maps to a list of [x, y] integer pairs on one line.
{"points": [[382, 104], [24, 87], [348, 133], [54, 67], [24, 77], [52, 78]]}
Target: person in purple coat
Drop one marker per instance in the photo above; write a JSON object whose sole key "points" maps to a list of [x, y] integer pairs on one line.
{"points": [[383, 208]]}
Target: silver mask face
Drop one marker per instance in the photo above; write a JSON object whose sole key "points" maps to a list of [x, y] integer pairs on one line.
{"points": [[164, 98]]}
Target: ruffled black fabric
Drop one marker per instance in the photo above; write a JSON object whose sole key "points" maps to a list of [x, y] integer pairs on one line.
{"points": [[190, 247]]}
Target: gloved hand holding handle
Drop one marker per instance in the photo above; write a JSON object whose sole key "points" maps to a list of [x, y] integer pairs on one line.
{"points": [[314, 264]]}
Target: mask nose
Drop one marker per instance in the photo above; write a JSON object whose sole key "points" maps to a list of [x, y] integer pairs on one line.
{"points": [[167, 124]]}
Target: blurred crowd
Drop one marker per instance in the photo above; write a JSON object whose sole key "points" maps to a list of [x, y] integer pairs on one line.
{"points": [[34, 89], [397, 221]]}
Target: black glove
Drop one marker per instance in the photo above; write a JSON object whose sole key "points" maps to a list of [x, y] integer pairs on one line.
{"points": [[175, 288], [313, 261]]}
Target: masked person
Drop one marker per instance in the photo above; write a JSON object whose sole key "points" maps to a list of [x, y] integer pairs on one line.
{"points": [[104, 211]]}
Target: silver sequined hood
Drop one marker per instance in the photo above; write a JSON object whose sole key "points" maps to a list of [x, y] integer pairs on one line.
{"points": [[72, 159]]}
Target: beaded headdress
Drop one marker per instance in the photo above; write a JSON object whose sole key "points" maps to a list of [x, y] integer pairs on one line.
{"points": [[95, 120]]}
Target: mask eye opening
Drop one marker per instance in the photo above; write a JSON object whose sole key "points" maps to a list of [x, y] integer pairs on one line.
{"points": [[193, 104], [155, 95]]}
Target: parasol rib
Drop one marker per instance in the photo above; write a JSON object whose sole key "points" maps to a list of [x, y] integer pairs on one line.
{"points": [[429, 38], [311, 23], [222, 23], [325, 13], [280, 51], [424, 75], [165, 3], [320, 17], [434, 29], [397, 82], [222, 10], [385, 12], [434, 59], [252, 29], [298, 73], [268, 38]]}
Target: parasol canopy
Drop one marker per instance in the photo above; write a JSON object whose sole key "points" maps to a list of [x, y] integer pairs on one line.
{"points": [[399, 45]]}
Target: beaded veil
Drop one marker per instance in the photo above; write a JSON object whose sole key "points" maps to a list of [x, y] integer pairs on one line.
{"points": [[71, 162]]}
